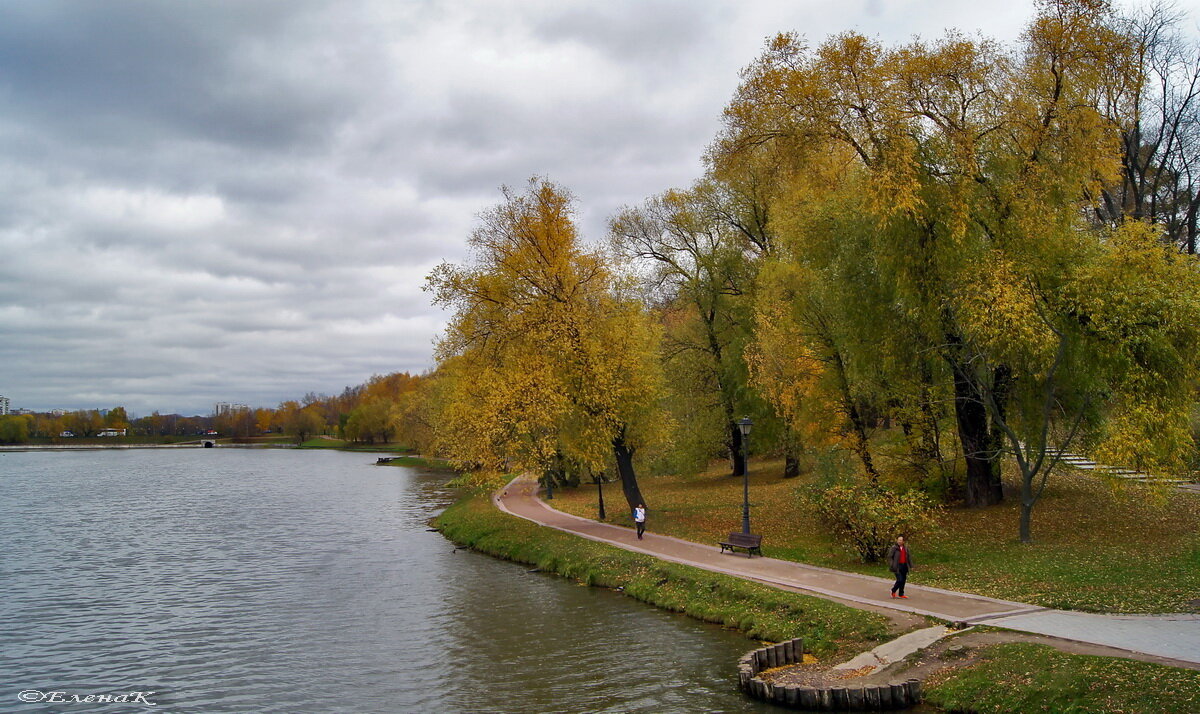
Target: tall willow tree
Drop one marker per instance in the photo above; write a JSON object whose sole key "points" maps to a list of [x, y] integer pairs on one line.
{"points": [[694, 260], [914, 170], [544, 359]]}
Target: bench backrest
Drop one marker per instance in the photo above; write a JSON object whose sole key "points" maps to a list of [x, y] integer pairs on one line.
{"points": [[745, 539]]}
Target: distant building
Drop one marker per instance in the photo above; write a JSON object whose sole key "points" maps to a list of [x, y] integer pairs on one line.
{"points": [[3, 406], [223, 408], [58, 412]]}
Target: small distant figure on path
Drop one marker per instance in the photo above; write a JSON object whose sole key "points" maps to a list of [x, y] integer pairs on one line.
{"points": [[900, 561], [639, 517]]}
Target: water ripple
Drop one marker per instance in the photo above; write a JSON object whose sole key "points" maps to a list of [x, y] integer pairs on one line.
{"points": [[279, 581]]}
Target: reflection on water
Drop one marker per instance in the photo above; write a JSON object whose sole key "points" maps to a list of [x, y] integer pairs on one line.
{"points": [[298, 581]]}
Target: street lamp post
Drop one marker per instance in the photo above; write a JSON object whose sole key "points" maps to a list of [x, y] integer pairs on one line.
{"points": [[744, 425], [600, 489]]}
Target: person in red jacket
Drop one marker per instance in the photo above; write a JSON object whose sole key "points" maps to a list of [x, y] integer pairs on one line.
{"points": [[900, 562]]}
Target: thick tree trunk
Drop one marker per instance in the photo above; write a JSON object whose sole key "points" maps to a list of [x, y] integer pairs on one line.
{"points": [[791, 465], [973, 433], [971, 418], [737, 456], [624, 458], [1001, 385]]}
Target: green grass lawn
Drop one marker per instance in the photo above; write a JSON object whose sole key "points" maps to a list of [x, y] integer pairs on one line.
{"points": [[1097, 548], [324, 442], [831, 630], [1020, 677]]}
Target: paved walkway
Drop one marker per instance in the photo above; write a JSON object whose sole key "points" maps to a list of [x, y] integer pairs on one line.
{"points": [[1171, 636]]}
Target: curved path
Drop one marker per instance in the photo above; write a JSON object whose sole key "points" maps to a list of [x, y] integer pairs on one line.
{"points": [[1175, 637]]}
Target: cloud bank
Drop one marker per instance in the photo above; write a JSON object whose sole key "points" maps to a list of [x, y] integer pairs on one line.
{"points": [[239, 201]]}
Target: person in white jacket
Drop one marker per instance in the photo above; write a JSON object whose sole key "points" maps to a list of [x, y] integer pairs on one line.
{"points": [[639, 517]]}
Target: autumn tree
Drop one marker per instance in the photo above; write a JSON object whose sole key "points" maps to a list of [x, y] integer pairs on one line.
{"points": [[83, 422], [15, 428], [116, 418], [544, 356], [1099, 352], [373, 420], [801, 359], [1155, 104], [913, 170], [694, 266], [417, 413], [301, 422]]}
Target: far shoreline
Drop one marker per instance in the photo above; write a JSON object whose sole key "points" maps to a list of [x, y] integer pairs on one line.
{"points": [[110, 447]]}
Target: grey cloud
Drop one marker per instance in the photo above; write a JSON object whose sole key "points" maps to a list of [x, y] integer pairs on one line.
{"points": [[239, 200]]}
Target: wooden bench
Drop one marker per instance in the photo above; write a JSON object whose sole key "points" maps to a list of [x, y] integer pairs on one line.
{"points": [[747, 541]]}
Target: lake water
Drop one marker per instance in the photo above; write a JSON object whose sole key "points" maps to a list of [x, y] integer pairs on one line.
{"points": [[232, 580]]}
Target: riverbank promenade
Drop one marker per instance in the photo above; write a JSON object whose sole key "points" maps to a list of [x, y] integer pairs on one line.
{"points": [[1170, 636]]}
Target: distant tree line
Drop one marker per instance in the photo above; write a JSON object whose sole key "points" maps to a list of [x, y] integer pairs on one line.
{"points": [[377, 411]]}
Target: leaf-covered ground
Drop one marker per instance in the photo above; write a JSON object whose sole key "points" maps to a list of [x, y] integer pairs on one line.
{"points": [[1097, 548], [1019, 677]]}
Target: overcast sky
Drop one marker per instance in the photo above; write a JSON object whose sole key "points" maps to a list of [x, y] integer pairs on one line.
{"points": [[239, 201]]}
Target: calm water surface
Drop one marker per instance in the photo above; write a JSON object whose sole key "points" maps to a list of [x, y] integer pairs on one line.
{"points": [[230, 580]]}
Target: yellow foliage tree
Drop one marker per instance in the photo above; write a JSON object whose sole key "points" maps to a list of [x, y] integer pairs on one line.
{"points": [[911, 172], [544, 357]]}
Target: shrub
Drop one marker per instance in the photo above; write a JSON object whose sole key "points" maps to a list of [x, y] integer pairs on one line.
{"points": [[869, 517]]}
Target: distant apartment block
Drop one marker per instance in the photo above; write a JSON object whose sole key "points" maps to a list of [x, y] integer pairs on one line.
{"points": [[3, 406], [222, 408]]}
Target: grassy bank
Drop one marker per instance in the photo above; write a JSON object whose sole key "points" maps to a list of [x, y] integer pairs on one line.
{"points": [[1021, 677], [421, 462], [322, 442], [1097, 548], [830, 630]]}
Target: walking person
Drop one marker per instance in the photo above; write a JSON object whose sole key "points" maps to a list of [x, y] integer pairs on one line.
{"points": [[639, 517], [900, 562]]}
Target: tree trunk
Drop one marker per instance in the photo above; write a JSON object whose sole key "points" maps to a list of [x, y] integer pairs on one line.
{"points": [[791, 465], [737, 456], [930, 449], [861, 445], [971, 416], [629, 484], [1027, 501], [858, 425], [1001, 385], [600, 494]]}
